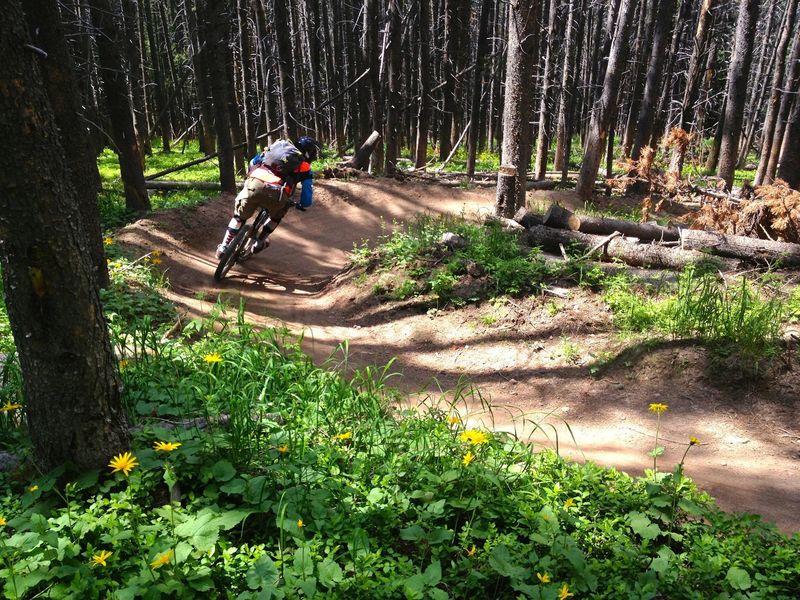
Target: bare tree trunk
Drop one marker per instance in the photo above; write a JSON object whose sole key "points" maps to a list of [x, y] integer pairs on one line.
{"points": [[789, 165], [372, 58], [158, 74], [109, 44], [130, 14], [520, 60], [280, 12], [198, 55], [393, 108], [424, 110], [661, 34], [214, 20], [766, 171], [561, 160], [692, 89], [477, 87], [61, 87], [792, 82], [605, 107], [543, 137], [72, 390], [737, 89]]}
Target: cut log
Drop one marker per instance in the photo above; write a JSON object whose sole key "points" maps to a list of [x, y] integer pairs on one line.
{"points": [[361, 158], [629, 251], [526, 218], [562, 218], [738, 246]]}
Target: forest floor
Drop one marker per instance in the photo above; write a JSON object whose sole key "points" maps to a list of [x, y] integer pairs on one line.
{"points": [[528, 357]]}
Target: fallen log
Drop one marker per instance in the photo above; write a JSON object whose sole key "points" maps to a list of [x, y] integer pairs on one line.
{"points": [[561, 218], [741, 247], [184, 185], [629, 251], [526, 218], [361, 158]]}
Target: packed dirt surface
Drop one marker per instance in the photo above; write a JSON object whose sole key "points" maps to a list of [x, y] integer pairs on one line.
{"points": [[530, 359]]}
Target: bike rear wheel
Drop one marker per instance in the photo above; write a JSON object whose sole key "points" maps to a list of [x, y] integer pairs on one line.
{"points": [[231, 254]]}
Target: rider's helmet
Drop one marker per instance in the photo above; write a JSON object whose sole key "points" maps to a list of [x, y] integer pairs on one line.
{"points": [[309, 147]]}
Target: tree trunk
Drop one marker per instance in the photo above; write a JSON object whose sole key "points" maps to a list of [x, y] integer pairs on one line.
{"points": [[606, 105], [393, 108], [199, 58], [361, 158], [214, 29], [424, 111], [561, 159], [158, 74], [765, 175], [109, 44], [477, 87], [652, 87], [130, 13], [520, 60], [738, 73], [629, 251], [280, 12], [789, 165], [61, 87], [792, 82], [742, 247], [543, 134], [72, 390]]}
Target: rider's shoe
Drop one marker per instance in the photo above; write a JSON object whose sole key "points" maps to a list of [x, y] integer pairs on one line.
{"points": [[260, 245], [221, 249]]}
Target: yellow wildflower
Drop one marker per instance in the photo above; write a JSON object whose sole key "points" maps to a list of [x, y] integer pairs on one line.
{"points": [[166, 446], [283, 448], [33, 488], [474, 437], [343, 436], [468, 458], [564, 592], [543, 578], [300, 523], [162, 559], [156, 253], [658, 408], [108, 241], [471, 551], [123, 364], [453, 420], [568, 502], [3, 521], [8, 406], [214, 357], [155, 261], [123, 462], [693, 441], [99, 559]]}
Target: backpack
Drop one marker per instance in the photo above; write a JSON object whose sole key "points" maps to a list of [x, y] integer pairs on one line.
{"points": [[282, 158]]}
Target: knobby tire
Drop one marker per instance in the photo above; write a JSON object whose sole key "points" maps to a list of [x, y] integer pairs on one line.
{"points": [[231, 255]]}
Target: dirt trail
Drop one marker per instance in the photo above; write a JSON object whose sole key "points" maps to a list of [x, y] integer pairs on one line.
{"points": [[528, 358]]}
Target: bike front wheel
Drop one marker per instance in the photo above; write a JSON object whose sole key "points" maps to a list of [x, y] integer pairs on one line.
{"points": [[232, 253]]}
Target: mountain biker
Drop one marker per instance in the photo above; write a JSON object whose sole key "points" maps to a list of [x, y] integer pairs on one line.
{"points": [[271, 179]]}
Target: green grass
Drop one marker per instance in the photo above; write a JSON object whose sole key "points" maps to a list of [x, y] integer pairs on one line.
{"points": [[740, 319], [413, 253]]}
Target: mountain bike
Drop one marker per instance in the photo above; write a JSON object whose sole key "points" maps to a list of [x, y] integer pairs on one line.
{"points": [[244, 245]]}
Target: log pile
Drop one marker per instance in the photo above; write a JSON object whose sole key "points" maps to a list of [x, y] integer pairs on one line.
{"points": [[649, 244]]}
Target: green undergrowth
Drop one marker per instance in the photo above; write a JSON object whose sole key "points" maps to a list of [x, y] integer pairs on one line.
{"points": [[286, 479], [738, 319], [111, 199], [313, 486]]}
